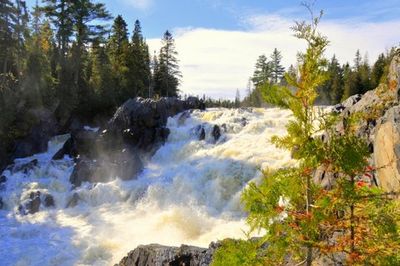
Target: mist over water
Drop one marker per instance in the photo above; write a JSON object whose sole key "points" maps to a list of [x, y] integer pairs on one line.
{"points": [[188, 193]]}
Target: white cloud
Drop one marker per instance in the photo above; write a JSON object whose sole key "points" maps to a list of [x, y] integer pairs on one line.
{"points": [[139, 4], [217, 62]]}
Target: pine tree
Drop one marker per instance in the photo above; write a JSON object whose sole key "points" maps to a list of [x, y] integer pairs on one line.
{"points": [[351, 82], [139, 62], [8, 43], [237, 99], [357, 61], [100, 80], [332, 91], [277, 70], [38, 82], [118, 50], [263, 71], [167, 74], [364, 74], [60, 14], [378, 70]]}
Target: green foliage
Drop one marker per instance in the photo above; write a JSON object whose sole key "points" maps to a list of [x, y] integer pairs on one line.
{"points": [[237, 252], [167, 74]]}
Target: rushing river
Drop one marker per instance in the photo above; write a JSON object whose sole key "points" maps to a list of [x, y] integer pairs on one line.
{"points": [[189, 192]]}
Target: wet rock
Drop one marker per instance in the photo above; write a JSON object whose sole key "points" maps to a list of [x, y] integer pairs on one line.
{"points": [[183, 117], [49, 201], [125, 164], [202, 134], [3, 179], [199, 132], [1, 203], [81, 143], [243, 122], [67, 149], [82, 172], [73, 201], [34, 203], [216, 132], [158, 255]]}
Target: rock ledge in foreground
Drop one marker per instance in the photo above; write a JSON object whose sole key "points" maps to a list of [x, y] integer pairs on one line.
{"points": [[158, 255]]}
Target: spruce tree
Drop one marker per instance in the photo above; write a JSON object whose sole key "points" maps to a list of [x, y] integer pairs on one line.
{"points": [[378, 70], [167, 74], [139, 62], [263, 71], [100, 80], [118, 50], [8, 42], [277, 70]]}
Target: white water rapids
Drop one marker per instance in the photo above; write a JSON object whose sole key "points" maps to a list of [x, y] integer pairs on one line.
{"points": [[188, 193]]}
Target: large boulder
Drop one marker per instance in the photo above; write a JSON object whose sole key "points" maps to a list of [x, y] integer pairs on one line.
{"points": [[387, 150], [125, 164], [158, 255], [81, 143]]}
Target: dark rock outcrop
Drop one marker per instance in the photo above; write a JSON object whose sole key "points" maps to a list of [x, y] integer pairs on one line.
{"points": [[36, 199], [33, 204], [49, 201], [136, 130], [216, 132], [158, 255]]}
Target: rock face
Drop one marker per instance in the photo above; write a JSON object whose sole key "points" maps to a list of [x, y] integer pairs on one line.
{"points": [[387, 150], [379, 126], [158, 255]]}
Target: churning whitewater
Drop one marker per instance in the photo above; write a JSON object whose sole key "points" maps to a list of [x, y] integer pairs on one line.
{"points": [[188, 193]]}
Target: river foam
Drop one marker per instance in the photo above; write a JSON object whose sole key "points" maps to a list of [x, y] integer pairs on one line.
{"points": [[189, 192]]}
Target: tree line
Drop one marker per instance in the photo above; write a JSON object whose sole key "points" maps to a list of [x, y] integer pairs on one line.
{"points": [[343, 80], [63, 56]]}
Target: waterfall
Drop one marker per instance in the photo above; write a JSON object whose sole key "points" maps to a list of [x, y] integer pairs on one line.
{"points": [[188, 193]]}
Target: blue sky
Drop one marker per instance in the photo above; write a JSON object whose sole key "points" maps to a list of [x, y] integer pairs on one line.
{"points": [[158, 15], [218, 41]]}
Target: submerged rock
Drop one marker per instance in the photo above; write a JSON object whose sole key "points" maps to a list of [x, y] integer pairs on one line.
{"points": [[216, 132], [73, 201], [26, 167], [34, 204], [49, 201]]}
